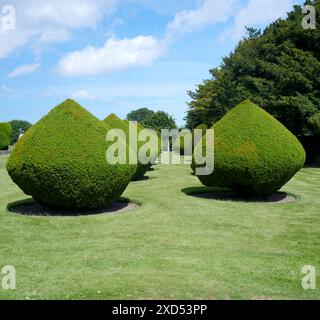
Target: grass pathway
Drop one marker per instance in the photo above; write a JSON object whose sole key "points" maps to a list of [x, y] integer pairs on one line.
{"points": [[173, 246]]}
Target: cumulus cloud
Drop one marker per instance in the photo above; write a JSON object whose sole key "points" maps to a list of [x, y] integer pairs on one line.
{"points": [[39, 22], [209, 13], [115, 55], [82, 95], [119, 54], [257, 13], [23, 70]]}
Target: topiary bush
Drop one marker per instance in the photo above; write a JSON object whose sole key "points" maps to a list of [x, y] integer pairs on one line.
{"points": [[187, 140], [202, 127], [115, 122], [254, 153], [184, 143], [61, 161], [5, 135]]}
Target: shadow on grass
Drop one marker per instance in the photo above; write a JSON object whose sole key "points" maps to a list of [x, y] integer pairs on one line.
{"points": [[30, 207], [144, 178], [225, 194]]}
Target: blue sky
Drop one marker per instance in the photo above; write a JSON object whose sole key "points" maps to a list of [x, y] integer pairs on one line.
{"points": [[118, 55]]}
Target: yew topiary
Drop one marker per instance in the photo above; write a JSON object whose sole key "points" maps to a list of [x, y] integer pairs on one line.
{"points": [[116, 123], [61, 161], [254, 153], [5, 135]]}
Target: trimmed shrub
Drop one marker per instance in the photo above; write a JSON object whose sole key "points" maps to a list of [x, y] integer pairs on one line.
{"points": [[5, 135], [202, 127], [116, 123], [187, 140], [254, 153], [184, 143], [61, 161]]}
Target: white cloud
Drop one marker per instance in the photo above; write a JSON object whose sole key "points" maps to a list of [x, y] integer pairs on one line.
{"points": [[209, 13], [23, 70], [4, 88], [82, 95], [50, 21], [119, 54], [258, 13], [115, 55]]}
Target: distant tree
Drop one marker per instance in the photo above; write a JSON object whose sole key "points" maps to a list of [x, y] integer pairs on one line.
{"points": [[159, 120], [139, 115], [5, 135], [16, 126], [315, 123], [278, 69]]}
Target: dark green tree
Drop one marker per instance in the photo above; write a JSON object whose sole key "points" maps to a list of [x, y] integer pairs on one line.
{"points": [[139, 115], [278, 69], [16, 126], [159, 120]]}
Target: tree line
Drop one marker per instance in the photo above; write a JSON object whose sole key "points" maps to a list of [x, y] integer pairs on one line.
{"points": [[278, 69]]}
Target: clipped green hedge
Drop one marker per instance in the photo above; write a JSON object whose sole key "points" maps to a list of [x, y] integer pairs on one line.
{"points": [[184, 143], [61, 161], [5, 135], [187, 140], [202, 127], [115, 122], [254, 153]]}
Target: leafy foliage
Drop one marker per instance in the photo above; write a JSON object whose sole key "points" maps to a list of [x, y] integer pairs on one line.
{"points": [[254, 153], [315, 123], [113, 121], [5, 135], [278, 69], [16, 126], [139, 115], [61, 161], [152, 120], [187, 140], [184, 143]]}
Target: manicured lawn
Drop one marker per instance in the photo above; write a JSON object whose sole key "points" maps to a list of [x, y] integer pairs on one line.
{"points": [[173, 246]]}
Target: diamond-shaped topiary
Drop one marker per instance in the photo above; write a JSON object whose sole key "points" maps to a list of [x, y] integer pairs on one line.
{"points": [[115, 122], [186, 140], [254, 153], [5, 135], [61, 161]]}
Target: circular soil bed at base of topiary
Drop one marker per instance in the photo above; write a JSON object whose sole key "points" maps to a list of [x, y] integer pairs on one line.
{"points": [[276, 198], [30, 207]]}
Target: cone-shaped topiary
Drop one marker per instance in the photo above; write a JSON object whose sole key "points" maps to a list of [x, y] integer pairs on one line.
{"points": [[187, 140], [5, 135], [254, 153], [202, 127], [115, 122], [184, 143], [61, 161]]}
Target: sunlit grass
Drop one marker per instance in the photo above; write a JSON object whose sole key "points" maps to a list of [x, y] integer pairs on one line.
{"points": [[173, 246]]}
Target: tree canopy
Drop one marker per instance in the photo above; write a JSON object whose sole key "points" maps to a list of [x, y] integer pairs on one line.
{"points": [[159, 120], [153, 120], [16, 126], [139, 115], [278, 69]]}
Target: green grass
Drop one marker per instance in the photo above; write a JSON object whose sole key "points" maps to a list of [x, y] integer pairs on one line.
{"points": [[173, 247]]}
